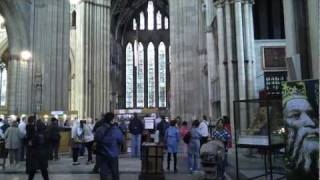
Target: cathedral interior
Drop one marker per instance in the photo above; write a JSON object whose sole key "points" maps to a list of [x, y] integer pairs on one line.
{"points": [[241, 60]]}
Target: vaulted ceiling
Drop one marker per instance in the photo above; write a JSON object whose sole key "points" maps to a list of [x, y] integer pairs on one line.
{"points": [[123, 10]]}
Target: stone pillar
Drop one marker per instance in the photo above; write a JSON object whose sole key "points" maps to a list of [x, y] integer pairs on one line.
{"points": [[93, 58], [50, 27], [240, 49], [221, 52], [229, 40], [241, 62], [18, 83], [185, 64], [249, 47]]}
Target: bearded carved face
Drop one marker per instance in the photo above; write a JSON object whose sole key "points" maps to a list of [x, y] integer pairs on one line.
{"points": [[303, 135]]}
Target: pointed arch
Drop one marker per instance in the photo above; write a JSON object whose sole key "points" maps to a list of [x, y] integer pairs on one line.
{"points": [[142, 21], [151, 75], [166, 23], [159, 20], [140, 76], [129, 76], [162, 74], [74, 19], [134, 24], [150, 15]]}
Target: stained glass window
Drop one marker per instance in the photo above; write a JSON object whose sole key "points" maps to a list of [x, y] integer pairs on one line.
{"points": [[134, 24], [150, 16], [162, 75], [129, 76], [159, 20], [151, 76], [142, 21], [166, 23], [140, 76]]}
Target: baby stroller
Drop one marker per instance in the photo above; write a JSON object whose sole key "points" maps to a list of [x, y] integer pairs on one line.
{"points": [[212, 160]]}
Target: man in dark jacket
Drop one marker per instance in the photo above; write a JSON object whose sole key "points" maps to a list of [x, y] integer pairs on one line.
{"points": [[37, 148], [135, 129], [162, 127], [109, 138], [53, 132]]}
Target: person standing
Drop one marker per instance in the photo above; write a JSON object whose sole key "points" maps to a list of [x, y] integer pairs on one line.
{"points": [[37, 148], [88, 140], [109, 139], [94, 130], [135, 129], [22, 127], [53, 131], [171, 140], [204, 130], [162, 127], [13, 142], [77, 137], [183, 132], [194, 147], [221, 134]]}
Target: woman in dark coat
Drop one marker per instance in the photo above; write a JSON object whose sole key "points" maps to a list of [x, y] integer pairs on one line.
{"points": [[37, 148]]}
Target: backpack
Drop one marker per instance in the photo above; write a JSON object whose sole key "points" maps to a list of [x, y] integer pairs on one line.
{"points": [[187, 138]]}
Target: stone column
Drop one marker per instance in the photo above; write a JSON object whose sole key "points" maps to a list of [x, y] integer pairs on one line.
{"points": [[221, 52], [50, 50], [18, 83], [240, 62], [249, 47], [230, 61], [240, 49], [93, 58], [185, 64]]}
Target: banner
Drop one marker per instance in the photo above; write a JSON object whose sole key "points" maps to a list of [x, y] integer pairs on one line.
{"points": [[300, 100]]}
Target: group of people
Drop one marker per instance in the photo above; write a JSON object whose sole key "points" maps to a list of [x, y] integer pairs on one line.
{"points": [[193, 138], [105, 138], [31, 139]]}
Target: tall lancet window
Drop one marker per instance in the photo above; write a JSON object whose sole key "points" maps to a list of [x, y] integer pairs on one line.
{"points": [[142, 21], [166, 23], [162, 75], [134, 24], [140, 77], [159, 20], [129, 76], [3, 84], [151, 75], [150, 16]]}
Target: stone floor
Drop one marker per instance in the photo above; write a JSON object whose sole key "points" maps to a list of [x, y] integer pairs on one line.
{"points": [[130, 168]]}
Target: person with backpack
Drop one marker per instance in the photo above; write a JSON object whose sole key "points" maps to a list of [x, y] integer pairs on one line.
{"points": [[194, 146], [53, 131], [109, 139], [37, 148], [171, 139], [77, 138], [183, 131], [162, 127], [135, 128]]}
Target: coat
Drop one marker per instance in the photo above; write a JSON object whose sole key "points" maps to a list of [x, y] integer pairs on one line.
{"points": [[194, 145], [37, 150], [172, 139], [13, 138]]}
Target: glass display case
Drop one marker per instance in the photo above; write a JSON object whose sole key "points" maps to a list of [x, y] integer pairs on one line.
{"points": [[259, 129]]}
